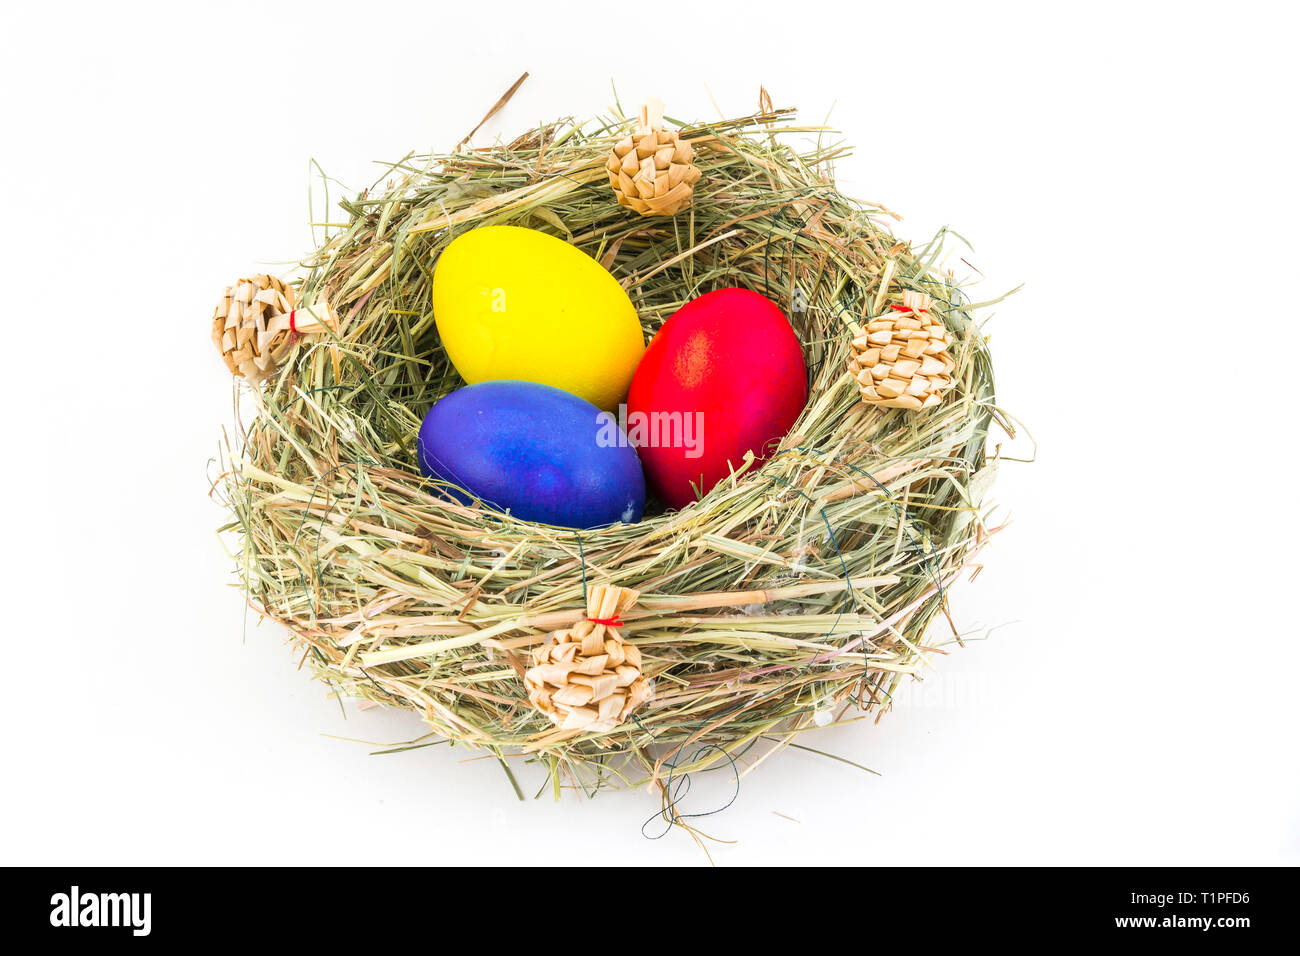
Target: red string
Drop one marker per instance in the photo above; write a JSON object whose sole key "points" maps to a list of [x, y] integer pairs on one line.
{"points": [[905, 308], [293, 328], [607, 621]]}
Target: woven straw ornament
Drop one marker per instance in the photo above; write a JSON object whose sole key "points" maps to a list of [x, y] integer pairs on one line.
{"points": [[256, 322], [587, 677], [901, 360], [652, 171]]}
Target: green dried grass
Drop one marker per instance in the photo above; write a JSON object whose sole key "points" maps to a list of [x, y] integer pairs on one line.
{"points": [[804, 584]]}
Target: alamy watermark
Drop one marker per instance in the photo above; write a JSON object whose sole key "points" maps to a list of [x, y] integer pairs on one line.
{"points": [[76, 908], [652, 430]]}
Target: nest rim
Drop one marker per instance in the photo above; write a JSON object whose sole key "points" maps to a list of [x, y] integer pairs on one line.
{"points": [[296, 479]]}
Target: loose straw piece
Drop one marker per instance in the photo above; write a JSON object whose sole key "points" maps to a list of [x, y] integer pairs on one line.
{"points": [[496, 108]]}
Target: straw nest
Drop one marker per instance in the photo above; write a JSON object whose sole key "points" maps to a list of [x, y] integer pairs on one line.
{"points": [[796, 593]]}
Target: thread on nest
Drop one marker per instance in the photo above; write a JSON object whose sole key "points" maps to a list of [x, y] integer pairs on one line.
{"points": [[931, 558], [800, 222], [674, 796], [848, 598], [676, 787], [672, 762], [889, 499]]}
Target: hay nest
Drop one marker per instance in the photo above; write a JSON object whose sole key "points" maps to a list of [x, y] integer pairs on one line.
{"points": [[796, 593]]}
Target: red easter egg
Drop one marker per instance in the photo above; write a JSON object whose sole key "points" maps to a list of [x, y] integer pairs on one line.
{"points": [[724, 375]]}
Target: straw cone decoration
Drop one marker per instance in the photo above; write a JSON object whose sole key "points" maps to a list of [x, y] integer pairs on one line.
{"points": [[652, 171], [256, 322], [901, 360], [587, 677]]}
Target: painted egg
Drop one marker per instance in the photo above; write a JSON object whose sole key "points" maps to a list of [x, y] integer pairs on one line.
{"points": [[724, 375], [540, 453], [515, 303]]}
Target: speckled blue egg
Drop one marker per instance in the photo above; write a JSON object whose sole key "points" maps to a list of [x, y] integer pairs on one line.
{"points": [[540, 453]]}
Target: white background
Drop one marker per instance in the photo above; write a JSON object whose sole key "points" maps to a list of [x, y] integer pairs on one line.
{"points": [[1133, 164]]}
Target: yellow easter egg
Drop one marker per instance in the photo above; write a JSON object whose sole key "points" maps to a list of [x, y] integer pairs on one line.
{"points": [[515, 303]]}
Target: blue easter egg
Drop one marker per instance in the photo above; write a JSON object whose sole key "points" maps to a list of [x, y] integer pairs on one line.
{"points": [[538, 452]]}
